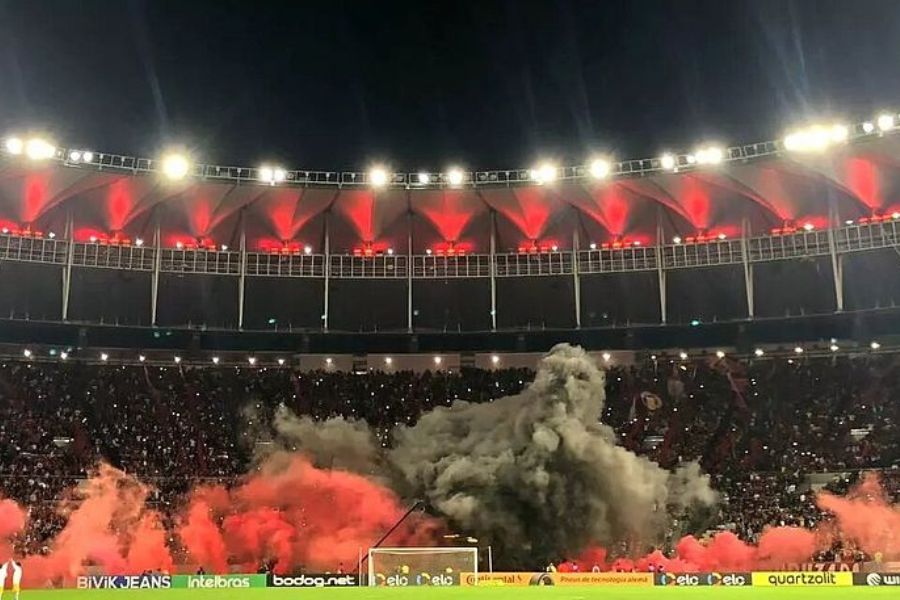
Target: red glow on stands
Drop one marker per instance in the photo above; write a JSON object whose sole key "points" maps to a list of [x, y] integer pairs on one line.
{"points": [[184, 242], [528, 208], [609, 205], [35, 197], [451, 249], [96, 236], [282, 214], [536, 247], [864, 182], [370, 249], [359, 208], [120, 202], [201, 217], [696, 202], [450, 211], [10, 228], [280, 247]]}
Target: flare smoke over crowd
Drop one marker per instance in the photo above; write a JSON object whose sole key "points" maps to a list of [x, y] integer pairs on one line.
{"points": [[536, 476]]}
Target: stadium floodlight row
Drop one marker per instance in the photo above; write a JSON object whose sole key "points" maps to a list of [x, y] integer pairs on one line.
{"points": [[176, 165]]}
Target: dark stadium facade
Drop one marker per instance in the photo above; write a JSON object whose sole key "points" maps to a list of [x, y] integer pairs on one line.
{"points": [[768, 247]]}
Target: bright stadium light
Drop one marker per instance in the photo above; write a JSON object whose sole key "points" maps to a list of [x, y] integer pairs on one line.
{"points": [[26, 353], [280, 362], [593, 245], [834, 347], [874, 345], [251, 360], [839, 133], [141, 358], [215, 360], [885, 122], [808, 226], [87, 156], [798, 350], [710, 155], [272, 175], [816, 138], [388, 360], [424, 178], [177, 360], [75, 155], [39, 149], [683, 355], [606, 356], [495, 359], [104, 356], [759, 352], [63, 355], [676, 239], [868, 127], [438, 360], [667, 161], [722, 236], [720, 354], [175, 166], [600, 168], [307, 249], [14, 145], [544, 173], [138, 242], [455, 176], [378, 176]]}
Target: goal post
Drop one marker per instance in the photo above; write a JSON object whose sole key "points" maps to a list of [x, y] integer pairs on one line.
{"points": [[409, 567]]}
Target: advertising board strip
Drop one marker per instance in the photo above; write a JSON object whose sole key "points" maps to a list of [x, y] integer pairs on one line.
{"points": [[313, 580], [123, 582], [218, 582], [802, 579], [876, 579], [513, 579], [703, 579]]}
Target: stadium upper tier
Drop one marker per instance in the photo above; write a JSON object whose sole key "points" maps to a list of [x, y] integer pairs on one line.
{"points": [[822, 198]]}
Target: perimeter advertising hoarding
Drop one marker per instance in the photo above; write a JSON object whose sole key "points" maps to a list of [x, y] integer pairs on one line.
{"points": [[313, 580], [513, 579], [876, 579], [703, 579], [123, 582], [218, 582], [421, 579], [802, 579]]}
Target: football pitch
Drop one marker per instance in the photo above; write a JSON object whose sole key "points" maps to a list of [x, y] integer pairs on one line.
{"points": [[465, 593]]}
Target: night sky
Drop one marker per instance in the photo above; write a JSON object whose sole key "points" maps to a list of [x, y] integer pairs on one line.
{"points": [[331, 85]]}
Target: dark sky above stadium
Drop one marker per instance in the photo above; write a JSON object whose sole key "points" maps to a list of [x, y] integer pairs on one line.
{"points": [[483, 84]]}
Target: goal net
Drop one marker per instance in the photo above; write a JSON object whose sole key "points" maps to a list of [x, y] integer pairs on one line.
{"points": [[404, 567]]}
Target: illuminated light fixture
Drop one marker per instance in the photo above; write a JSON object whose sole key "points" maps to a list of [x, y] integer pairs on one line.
{"points": [[798, 350], [251, 360], [5, 230], [307, 249], [593, 245], [328, 360], [874, 345], [272, 175], [138, 242], [26, 353], [834, 347], [691, 159], [636, 243], [606, 356], [93, 239], [667, 161], [710, 155], [141, 358], [75, 155], [388, 360], [495, 359], [759, 352], [554, 248], [175, 166], [87, 156], [39, 149], [424, 178], [676, 239], [104, 356], [390, 251], [848, 222], [63, 355], [720, 354], [428, 251], [51, 235], [868, 127], [378, 177], [280, 362], [544, 173], [600, 168], [816, 138], [895, 215], [722, 236], [683, 355], [215, 360], [437, 360], [224, 247], [179, 245], [885, 122], [455, 176], [177, 360], [808, 226], [14, 145]]}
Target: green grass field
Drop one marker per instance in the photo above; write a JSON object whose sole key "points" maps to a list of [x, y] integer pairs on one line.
{"points": [[463, 593]]}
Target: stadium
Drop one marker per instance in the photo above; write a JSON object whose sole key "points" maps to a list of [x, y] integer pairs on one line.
{"points": [[599, 377]]}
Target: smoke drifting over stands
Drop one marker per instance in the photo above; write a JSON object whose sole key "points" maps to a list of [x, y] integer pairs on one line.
{"points": [[176, 428]]}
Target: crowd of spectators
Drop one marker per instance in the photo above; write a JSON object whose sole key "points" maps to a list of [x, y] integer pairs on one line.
{"points": [[760, 429]]}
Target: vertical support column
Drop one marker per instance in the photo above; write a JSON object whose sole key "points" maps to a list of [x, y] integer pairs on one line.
{"points": [[409, 278], [493, 265], [67, 270], [748, 268], [660, 270], [154, 280], [242, 278], [837, 262], [576, 283], [327, 270]]}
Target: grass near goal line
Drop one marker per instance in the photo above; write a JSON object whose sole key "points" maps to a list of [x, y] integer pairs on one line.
{"points": [[461, 593]]}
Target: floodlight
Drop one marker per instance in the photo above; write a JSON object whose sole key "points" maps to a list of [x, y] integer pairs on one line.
{"points": [[14, 145], [600, 168], [378, 176], [676, 239], [759, 352], [104, 356], [39, 149], [272, 175], [868, 127], [885, 122], [710, 155], [424, 178], [455, 176], [667, 161], [544, 173], [720, 354], [307, 249], [808, 226], [175, 166]]}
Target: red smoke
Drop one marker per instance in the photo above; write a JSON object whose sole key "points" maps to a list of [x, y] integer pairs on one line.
{"points": [[865, 518]]}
